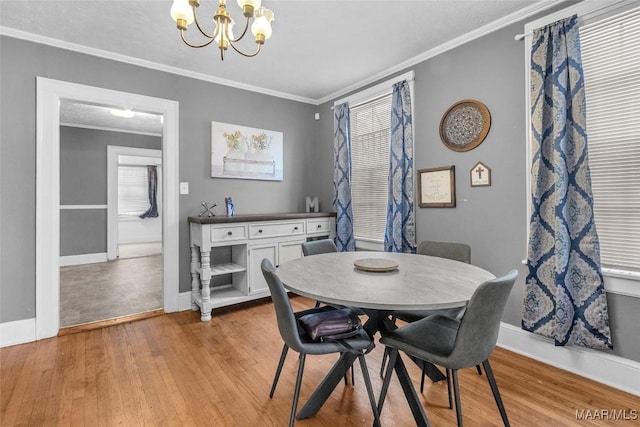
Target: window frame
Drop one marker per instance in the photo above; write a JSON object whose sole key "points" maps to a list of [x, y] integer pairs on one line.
{"points": [[370, 94], [617, 281]]}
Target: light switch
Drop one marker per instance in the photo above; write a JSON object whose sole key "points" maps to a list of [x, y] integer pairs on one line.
{"points": [[184, 188]]}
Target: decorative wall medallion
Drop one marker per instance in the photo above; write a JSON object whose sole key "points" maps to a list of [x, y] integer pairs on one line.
{"points": [[465, 125]]}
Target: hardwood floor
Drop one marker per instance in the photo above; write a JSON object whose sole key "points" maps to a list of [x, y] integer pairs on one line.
{"points": [[176, 370]]}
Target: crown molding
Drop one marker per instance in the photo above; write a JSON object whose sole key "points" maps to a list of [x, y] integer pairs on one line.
{"points": [[35, 38], [465, 38], [452, 44]]}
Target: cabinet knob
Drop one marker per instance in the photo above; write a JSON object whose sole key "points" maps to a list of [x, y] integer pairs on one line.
{"points": [[319, 225], [229, 233], [260, 231], [295, 228]]}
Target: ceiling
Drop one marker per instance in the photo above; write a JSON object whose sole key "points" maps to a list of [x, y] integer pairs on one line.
{"points": [[319, 49]]}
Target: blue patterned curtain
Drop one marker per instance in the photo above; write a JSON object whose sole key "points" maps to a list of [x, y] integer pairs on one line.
{"points": [[342, 179], [564, 291], [400, 233], [152, 174]]}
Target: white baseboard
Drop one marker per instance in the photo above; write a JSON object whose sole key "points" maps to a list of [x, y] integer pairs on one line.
{"points": [[606, 368], [82, 259], [17, 332], [184, 301]]}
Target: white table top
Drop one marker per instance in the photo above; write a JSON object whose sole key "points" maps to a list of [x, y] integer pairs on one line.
{"points": [[421, 282]]}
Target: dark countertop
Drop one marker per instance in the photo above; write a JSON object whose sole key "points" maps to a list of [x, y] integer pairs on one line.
{"points": [[223, 219]]}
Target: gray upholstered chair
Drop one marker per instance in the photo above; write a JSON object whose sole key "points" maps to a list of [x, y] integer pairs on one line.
{"points": [[296, 339], [315, 247], [324, 246], [456, 344], [450, 250]]}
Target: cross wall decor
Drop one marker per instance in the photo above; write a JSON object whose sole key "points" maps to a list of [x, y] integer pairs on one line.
{"points": [[480, 175]]}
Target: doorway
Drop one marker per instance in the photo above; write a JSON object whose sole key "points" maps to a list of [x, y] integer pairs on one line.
{"points": [[110, 179], [50, 93]]}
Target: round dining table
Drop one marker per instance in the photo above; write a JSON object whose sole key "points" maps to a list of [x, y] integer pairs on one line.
{"points": [[380, 283]]}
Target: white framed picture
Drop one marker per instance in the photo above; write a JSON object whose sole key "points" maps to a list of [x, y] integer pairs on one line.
{"points": [[246, 153]]}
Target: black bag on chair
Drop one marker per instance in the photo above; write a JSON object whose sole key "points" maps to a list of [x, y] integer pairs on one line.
{"points": [[331, 325]]}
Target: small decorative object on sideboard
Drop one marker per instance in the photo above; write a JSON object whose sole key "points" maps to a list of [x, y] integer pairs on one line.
{"points": [[229, 204], [480, 175], [312, 204], [207, 210]]}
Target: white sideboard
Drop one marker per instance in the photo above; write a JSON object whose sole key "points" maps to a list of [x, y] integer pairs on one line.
{"points": [[244, 241]]}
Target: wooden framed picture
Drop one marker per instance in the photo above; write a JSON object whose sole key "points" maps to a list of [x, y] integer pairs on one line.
{"points": [[437, 187], [480, 175]]}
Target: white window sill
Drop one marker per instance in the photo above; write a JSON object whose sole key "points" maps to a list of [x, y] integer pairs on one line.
{"points": [[128, 218], [622, 282]]}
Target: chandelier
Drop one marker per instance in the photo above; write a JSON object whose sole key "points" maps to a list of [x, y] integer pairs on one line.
{"points": [[184, 13]]}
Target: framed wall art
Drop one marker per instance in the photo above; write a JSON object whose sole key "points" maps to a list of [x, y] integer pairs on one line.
{"points": [[437, 187], [246, 153], [480, 175], [465, 125]]}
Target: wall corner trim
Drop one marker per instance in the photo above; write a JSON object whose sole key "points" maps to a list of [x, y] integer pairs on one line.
{"points": [[609, 369]]}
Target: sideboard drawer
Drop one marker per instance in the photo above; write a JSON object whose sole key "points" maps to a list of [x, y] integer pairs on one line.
{"points": [[292, 228], [227, 233], [319, 226]]}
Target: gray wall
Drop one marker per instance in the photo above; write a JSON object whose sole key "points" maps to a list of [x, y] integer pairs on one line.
{"points": [[200, 103], [83, 181], [493, 219]]}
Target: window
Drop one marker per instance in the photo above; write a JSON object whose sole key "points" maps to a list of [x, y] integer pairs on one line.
{"points": [[133, 196], [370, 139], [611, 62], [609, 41]]}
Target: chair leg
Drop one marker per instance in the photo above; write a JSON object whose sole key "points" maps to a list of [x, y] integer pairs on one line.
{"points": [[367, 382], [317, 304], [496, 393], [424, 374], [449, 388], [385, 357], [346, 378], [479, 370], [296, 392], [456, 394], [283, 356], [393, 355]]}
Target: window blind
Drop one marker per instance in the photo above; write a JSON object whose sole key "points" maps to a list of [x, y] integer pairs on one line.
{"points": [[133, 193], [611, 62], [370, 133]]}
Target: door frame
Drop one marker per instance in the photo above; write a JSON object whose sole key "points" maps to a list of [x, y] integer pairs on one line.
{"points": [[47, 253], [113, 151]]}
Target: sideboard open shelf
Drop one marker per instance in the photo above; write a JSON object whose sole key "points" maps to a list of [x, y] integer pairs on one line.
{"points": [[226, 253]]}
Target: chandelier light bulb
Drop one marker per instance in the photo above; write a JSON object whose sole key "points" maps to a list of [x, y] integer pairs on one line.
{"points": [[248, 6], [261, 27], [182, 13]]}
